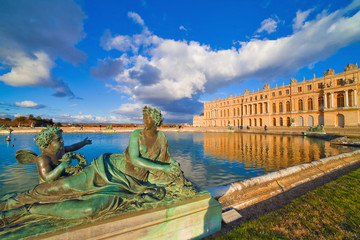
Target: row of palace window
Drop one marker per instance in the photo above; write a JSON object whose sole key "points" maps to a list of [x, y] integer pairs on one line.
{"points": [[249, 109], [275, 122], [254, 122], [287, 91]]}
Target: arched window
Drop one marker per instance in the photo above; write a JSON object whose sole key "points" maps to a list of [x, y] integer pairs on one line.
{"points": [[321, 103], [274, 121], [274, 108], [250, 122], [260, 122], [310, 104], [288, 121], [310, 121], [301, 106], [340, 120], [340, 100], [287, 106], [255, 122], [280, 107], [351, 98], [281, 122], [301, 121]]}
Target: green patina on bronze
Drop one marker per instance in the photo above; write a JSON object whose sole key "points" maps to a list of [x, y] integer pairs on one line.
{"points": [[46, 135], [54, 161], [144, 176]]}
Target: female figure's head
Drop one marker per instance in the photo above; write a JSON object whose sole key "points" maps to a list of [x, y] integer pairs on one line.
{"points": [[154, 115], [47, 135]]}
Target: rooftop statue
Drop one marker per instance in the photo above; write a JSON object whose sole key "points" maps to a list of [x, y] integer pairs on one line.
{"points": [[144, 173], [54, 160]]}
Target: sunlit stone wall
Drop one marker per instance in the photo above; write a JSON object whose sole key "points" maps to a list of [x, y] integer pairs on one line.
{"points": [[331, 100]]}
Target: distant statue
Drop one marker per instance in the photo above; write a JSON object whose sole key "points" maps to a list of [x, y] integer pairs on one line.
{"points": [[52, 163], [144, 173], [319, 129]]}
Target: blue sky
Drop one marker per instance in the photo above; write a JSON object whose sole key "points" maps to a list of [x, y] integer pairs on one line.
{"points": [[102, 61]]}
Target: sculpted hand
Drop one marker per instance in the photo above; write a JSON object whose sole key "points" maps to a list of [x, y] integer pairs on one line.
{"points": [[167, 169], [66, 159], [174, 168], [87, 141]]}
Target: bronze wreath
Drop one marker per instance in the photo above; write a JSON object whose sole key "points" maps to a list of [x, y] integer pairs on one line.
{"points": [[79, 167]]}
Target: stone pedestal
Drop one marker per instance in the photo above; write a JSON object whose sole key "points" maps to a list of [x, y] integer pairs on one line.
{"points": [[190, 219]]}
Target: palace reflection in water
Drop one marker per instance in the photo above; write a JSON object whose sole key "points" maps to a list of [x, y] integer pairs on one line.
{"points": [[270, 152], [207, 159]]}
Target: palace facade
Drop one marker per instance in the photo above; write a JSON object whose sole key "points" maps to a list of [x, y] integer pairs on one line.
{"points": [[331, 100]]}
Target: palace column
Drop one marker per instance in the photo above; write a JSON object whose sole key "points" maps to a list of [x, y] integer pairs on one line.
{"points": [[346, 98], [332, 100], [325, 101], [355, 98]]}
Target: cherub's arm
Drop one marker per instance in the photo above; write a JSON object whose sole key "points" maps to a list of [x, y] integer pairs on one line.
{"points": [[78, 145], [46, 172]]}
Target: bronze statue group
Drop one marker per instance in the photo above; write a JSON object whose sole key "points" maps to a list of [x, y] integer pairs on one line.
{"points": [[144, 173]]}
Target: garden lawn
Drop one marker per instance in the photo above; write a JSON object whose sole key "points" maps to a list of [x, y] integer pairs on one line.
{"points": [[331, 211]]}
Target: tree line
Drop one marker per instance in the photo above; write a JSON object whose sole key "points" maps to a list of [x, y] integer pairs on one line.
{"points": [[29, 121]]}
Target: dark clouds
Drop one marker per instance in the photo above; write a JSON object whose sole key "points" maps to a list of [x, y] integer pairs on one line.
{"points": [[36, 33], [147, 75], [107, 68]]}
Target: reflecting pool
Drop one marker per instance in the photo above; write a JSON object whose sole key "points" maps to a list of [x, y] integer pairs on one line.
{"points": [[207, 159]]}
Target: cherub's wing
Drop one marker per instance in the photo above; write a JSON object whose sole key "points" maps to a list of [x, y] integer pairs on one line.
{"points": [[25, 156]]}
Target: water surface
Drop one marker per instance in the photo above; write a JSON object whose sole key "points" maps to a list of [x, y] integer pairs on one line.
{"points": [[207, 159]]}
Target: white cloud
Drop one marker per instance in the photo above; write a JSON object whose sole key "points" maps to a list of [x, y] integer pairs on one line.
{"points": [[133, 113], [269, 25], [29, 104], [182, 71], [300, 19], [28, 71], [18, 115], [34, 39], [130, 110], [182, 28], [5, 115], [136, 18], [88, 118], [128, 43]]}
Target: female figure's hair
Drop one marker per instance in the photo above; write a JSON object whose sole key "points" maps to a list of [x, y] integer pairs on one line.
{"points": [[155, 114], [46, 135]]}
